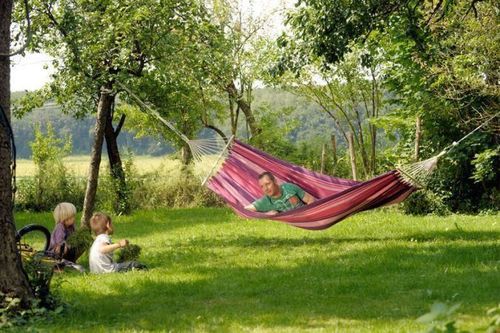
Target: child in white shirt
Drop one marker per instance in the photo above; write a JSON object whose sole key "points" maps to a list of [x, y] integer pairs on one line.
{"points": [[101, 252]]}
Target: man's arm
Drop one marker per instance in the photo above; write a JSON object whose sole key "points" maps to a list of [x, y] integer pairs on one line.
{"points": [[252, 208], [308, 199]]}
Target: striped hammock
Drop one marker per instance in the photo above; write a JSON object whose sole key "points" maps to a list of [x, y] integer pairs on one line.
{"points": [[236, 181]]}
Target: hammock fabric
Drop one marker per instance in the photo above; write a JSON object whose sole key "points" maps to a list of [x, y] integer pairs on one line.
{"points": [[237, 183]]}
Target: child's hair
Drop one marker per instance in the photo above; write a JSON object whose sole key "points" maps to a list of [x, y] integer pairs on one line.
{"points": [[98, 222], [64, 211]]}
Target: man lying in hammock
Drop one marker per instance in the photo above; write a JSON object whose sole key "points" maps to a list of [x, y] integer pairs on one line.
{"points": [[278, 198]]}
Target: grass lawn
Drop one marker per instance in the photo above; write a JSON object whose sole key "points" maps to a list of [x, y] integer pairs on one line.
{"points": [[211, 271]]}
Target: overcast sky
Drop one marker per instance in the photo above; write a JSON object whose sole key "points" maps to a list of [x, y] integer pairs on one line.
{"points": [[29, 72]]}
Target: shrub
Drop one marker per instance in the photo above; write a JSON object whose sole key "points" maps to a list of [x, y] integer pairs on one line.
{"points": [[80, 240], [39, 271], [51, 183], [44, 192], [424, 202], [171, 186]]}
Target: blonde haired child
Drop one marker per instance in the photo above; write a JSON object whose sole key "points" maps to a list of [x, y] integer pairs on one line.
{"points": [[64, 216], [101, 252]]}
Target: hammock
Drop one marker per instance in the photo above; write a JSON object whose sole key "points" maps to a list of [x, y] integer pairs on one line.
{"points": [[336, 198], [236, 180]]}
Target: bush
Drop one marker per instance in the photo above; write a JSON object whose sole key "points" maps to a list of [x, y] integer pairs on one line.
{"points": [[424, 202], [39, 270], [44, 191], [52, 183], [80, 240], [172, 187]]}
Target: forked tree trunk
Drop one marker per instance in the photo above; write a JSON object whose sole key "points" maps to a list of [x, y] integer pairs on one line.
{"points": [[244, 106], [13, 280], [104, 106], [122, 206]]}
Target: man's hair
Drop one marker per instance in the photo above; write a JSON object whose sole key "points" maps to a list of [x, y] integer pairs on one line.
{"points": [[64, 211], [98, 223], [267, 174]]}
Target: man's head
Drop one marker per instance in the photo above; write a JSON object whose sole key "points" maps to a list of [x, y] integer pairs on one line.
{"points": [[100, 223], [268, 184]]}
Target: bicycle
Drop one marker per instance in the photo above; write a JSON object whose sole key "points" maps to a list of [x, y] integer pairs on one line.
{"points": [[34, 238]]}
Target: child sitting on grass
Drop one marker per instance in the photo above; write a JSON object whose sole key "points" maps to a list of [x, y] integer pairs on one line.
{"points": [[64, 215], [101, 252]]}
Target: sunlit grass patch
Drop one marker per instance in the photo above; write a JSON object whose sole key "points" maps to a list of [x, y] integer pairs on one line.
{"points": [[212, 271]]}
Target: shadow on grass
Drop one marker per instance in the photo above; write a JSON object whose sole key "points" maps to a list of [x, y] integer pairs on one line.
{"points": [[396, 282], [266, 242]]}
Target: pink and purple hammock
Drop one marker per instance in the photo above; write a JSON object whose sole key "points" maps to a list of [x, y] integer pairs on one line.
{"points": [[236, 182]]}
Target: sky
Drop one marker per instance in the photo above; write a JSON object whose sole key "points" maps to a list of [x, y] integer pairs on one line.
{"points": [[32, 71]]}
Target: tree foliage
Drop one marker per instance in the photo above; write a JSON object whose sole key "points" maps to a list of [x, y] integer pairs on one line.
{"points": [[436, 65]]}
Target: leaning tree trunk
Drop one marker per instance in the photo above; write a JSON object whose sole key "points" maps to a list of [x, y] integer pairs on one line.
{"points": [[103, 108], [122, 205], [13, 280]]}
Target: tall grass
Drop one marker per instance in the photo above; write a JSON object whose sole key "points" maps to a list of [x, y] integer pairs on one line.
{"points": [[78, 165], [153, 182]]}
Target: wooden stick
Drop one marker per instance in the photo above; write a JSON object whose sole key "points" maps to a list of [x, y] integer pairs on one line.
{"points": [[323, 157], [350, 141]]}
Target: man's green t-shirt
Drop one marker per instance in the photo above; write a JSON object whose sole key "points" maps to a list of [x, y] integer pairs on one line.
{"points": [[291, 198]]}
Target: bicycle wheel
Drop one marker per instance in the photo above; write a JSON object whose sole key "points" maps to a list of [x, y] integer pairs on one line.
{"points": [[35, 236]]}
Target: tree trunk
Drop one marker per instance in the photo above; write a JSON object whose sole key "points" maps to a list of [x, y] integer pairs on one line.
{"points": [[373, 128], [418, 138], [186, 155], [323, 158], [122, 204], [244, 106], [352, 154], [234, 114], [13, 280], [334, 150], [105, 102], [373, 149]]}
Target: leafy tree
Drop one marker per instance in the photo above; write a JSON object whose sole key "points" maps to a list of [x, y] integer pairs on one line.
{"points": [[96, 43], [238, 60], [436, 64], [349, 92]]}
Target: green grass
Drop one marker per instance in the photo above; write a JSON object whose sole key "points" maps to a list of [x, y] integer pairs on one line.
{"points": [[211, 271]]}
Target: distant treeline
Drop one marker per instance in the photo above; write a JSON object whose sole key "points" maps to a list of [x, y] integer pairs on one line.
{"points": [[308, 124]]}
